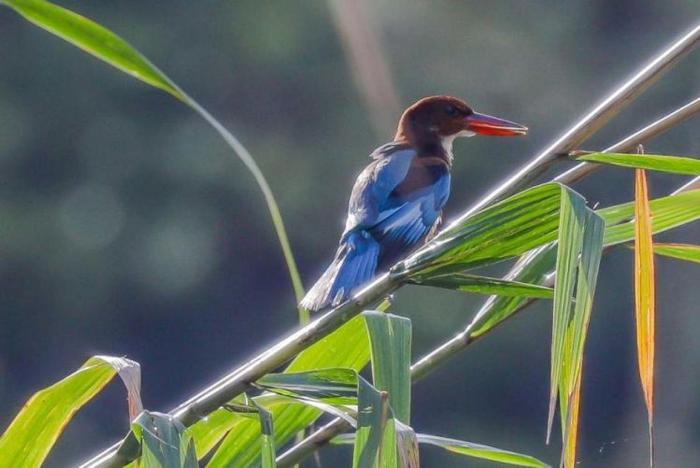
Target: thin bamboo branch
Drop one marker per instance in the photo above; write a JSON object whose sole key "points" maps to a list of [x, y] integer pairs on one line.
{"points": [[446, 350], [239, 379], [582, 170], [692, 185], [592, 121]]}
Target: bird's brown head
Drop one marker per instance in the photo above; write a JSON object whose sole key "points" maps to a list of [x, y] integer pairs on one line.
{"points": [[440, 119]]}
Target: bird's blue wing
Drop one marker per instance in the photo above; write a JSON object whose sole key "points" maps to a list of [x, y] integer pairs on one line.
{"points": [[398, 199], [419, 211], [370, 200]]}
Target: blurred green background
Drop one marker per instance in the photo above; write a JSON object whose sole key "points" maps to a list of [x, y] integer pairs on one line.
{"points": [[127, 228]]}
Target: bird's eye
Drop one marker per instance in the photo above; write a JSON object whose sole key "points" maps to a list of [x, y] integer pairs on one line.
{"points": [[451, 111]]}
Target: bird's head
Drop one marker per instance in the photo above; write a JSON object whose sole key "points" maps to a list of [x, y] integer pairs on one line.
{"points": [[441, 119]]}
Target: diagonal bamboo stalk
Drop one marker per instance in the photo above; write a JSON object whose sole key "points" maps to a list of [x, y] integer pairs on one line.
{"points": [[652, 130], [239, 379], [592, 121], [439, 355]]}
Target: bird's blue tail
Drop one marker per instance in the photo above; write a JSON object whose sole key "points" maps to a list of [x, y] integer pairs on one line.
{"points": [[355, 264]]}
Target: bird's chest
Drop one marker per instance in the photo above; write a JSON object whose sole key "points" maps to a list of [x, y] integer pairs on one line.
{"points": [[423, 175]]}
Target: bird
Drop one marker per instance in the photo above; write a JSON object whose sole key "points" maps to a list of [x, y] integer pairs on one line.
{"points": [[397, 201]]}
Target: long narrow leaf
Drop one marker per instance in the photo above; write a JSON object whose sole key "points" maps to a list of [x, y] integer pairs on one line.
{"points": [[334, 386], [346, 347], [688, 252], [461, 447], [535, 266], [109, 47], [480, 451], [372, 416], [532, 268], [645, 297], [571, 228], [669, 212], [33, 432], [570, 386], [504, 230], [486, 285], [267, 439], [652, 162], [390, 345], [165, 443], [93, 39]]}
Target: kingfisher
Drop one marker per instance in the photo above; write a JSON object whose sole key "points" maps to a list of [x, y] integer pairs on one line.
{"points": [[397, 200]]}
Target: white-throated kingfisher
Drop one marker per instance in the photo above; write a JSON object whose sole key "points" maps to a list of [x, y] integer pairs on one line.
{"points": [[397, 200]]}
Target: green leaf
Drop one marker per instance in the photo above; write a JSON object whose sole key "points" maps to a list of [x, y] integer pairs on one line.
{"points": [[93, 39], [571, 228], [669, 212], [165, 442], [105, 45], [390, 341], [33, 432], [334, 386], [485, 285], [316, 389], [536, 265], [652, 162], [378, 432], [346, 347], [532, 268], [461, 447], [570, 386], [688, 252], [504, 230], [481, 451], [580, 248], [372, 415], [267, 438]]}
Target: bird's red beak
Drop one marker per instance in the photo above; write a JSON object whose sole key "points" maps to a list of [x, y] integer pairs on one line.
{"points": [[483, 124]]}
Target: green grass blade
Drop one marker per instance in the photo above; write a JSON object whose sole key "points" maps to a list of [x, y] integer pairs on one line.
{"points": [[571, 227], [531, 268], [109, 47], [334, 386], [501, 231], [469, 449], [534, 267], [33, 432], [687, 252], [591, 253], [267, 437], [486, 285], [390, 344], [484, 452], [652, 162], [93, 39], [165, 443], [346, 347], [669, 212], [372, 416]]}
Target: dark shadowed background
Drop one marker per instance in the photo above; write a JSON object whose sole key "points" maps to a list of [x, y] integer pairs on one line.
{"points": [[128, 228]]}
